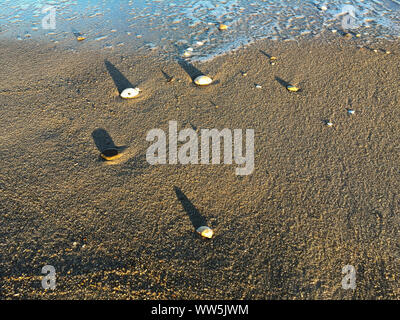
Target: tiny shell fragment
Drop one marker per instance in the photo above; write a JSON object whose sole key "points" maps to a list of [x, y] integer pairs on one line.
{"points": [[205, 232]]}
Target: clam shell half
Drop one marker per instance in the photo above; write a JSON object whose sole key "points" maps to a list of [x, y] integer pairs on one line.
{"points": [[130, 93], [203, 80]]}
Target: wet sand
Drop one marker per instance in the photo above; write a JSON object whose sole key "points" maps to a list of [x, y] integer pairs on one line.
{"points": [[319, 198]]}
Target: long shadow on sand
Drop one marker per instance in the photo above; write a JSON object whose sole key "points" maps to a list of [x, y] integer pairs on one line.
{"points": [[194, 214], [104, 141], [265, 54], [167, 77], [190, 69], [121, 82], [282, 82]]}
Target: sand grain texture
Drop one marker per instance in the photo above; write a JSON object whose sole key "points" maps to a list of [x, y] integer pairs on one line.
{"points": [[320, 198]]}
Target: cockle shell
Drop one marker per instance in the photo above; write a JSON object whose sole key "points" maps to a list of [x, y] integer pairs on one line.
{"points": [[202, 80], [222, 26], [292, 88], [130, 93], [205, 232], [110, 154]]}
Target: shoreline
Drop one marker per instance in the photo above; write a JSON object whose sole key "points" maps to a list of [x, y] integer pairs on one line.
{"points": [[319, 198]]}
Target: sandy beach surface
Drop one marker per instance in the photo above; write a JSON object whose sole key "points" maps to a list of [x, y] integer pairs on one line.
{"points": [[320, 197]]}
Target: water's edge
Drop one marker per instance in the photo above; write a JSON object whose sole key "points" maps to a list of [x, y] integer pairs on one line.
{"points": [[191, 28]]}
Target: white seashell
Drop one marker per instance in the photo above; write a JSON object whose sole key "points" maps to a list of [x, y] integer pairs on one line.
{"points": [[329, 124], [130, 93], [258, 86], [324, 8], [205, 232], [202, 80], [351, 111], [187, 53]]}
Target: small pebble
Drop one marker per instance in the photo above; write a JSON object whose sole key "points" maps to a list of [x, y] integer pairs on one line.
{"points": [[348, 36]]}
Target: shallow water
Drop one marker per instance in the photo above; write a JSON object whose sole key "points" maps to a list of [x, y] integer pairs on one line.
{"points": [[173, 26]]}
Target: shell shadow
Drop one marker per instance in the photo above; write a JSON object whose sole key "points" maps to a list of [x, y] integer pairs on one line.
{"points": [[120, 81], [167, 77], [103, 141], [282, 82], [265, 54], [77, 34], [190, 69], [194, 214]]}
